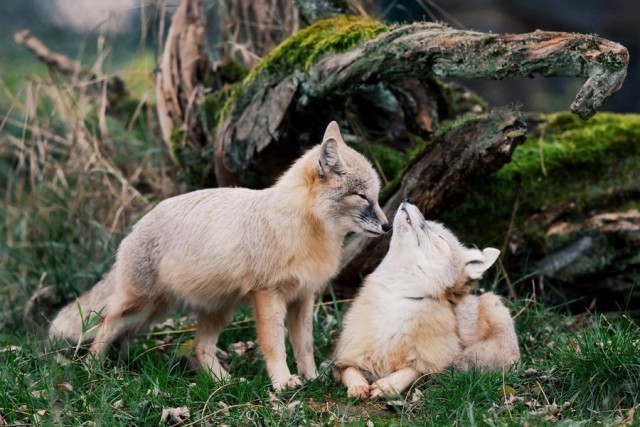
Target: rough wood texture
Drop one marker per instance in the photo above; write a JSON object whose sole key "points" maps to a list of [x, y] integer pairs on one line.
{"points": [[474, 147], [180, 83], [262, 116], [423, 48]]}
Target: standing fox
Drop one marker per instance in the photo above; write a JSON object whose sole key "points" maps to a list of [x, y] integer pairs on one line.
{"points": [[413, 315], [213, 250]]}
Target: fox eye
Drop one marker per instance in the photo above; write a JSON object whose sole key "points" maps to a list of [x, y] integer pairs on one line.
{"points": [[362, 196]]}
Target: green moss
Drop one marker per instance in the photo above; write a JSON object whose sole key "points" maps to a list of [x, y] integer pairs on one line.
{"points": [[387, 160], [216, 105], [409, 158], [300, 51], [570, 162]]}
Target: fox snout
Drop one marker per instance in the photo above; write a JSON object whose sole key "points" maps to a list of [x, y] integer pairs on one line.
{"points": [[381, 218], [375, 221]]}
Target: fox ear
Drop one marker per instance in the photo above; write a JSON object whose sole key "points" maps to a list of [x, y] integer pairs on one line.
{"points": [[330, 160], [479, 262], [332, 132]]}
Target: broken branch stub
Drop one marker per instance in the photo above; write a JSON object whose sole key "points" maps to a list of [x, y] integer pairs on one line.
{"points": [[474, 147], [73, 70]]}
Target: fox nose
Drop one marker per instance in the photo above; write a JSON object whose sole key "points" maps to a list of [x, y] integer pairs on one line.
{"points": [[386, 227], [408, 200]]}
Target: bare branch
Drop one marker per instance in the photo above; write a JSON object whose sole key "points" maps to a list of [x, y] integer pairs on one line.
{"points": [[426, 48]]}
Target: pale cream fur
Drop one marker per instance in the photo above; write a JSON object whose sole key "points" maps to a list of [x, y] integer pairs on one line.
{"points": [[403, 322], [213, 250], [486, 332]]}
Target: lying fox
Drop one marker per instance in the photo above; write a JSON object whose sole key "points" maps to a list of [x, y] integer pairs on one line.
{"points": [[213, 250], [413, 315]]}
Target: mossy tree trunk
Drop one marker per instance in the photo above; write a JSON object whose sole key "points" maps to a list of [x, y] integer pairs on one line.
{"points": [[358, 70]]}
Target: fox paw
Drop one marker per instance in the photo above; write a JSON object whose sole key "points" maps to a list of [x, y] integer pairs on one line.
{"points": [[291, 382], [310, 375], [358, 391], [381, 388]]}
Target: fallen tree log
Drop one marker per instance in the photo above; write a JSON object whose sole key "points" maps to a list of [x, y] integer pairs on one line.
{"points": [[277, 97]]}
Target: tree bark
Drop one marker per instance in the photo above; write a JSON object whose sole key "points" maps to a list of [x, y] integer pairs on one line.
{"points": [[180, 85], [263, 115]]}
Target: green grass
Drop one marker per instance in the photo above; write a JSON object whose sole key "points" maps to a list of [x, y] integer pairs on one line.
{"points": [[592, 364]]}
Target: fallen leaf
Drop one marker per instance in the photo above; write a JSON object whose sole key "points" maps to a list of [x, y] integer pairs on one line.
{"points": [[293, 405], [507, 390], [551, 411], [395, 404], [416, 396], [38, 416], [64, 387], [178, 415], [10, 348], [224, 407], [186, 348]]}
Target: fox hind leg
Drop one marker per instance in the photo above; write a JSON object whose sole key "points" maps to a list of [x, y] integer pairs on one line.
{"points": [[210, 325], [121, 318]]}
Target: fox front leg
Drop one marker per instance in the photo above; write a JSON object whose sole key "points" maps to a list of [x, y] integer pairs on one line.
{"points": [[270, 311], [395, 383], [356, 383], [300, 319]]}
